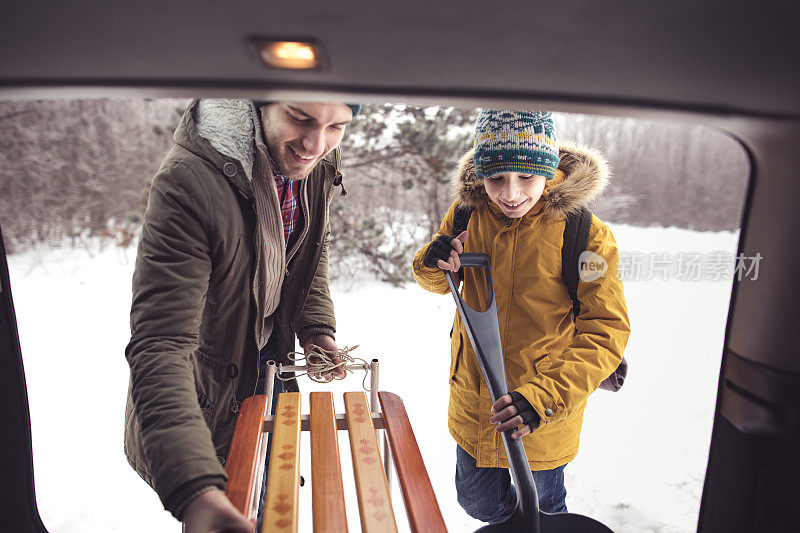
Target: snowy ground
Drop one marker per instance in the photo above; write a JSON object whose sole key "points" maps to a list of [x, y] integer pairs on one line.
{"points": [[643, 451]]}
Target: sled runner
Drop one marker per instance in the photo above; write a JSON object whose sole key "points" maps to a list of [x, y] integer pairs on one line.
{"points": [[483, 329]]}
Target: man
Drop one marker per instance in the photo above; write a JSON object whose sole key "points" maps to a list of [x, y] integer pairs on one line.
{"points": [[231, 267]]}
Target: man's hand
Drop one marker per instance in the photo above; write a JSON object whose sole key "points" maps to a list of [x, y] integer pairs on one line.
{"points": [[213, 512], [444, 251], [327, 343], [513, 410]]}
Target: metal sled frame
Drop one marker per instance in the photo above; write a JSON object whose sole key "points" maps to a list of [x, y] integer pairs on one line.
{"points": [[363, 421]]}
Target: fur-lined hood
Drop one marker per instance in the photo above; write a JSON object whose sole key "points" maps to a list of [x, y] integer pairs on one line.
{"points": [[230, 126], [582, 176]]}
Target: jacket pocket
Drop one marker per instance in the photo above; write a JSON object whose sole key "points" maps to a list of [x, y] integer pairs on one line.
{"points": [[207, 407], [209, 380], [208, 415], [208, 360], [456, 353], [230, 269], [543, 363]]}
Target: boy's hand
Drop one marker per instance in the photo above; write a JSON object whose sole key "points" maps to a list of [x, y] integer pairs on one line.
{"points": [[213, 512], [444, 251], [327, 343], [513, 410]]}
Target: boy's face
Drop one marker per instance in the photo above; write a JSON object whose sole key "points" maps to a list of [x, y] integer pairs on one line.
{"points": [[299, 135], [514, 193]]}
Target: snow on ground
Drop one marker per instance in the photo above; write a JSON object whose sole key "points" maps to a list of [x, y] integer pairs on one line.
{"points": [[643, 452]]}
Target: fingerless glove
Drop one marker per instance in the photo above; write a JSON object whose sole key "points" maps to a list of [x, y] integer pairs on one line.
{"points": [[440, 248], [524, 409]]}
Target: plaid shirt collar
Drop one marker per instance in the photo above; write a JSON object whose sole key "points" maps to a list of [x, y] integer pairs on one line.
{"points": [[288, 190]]}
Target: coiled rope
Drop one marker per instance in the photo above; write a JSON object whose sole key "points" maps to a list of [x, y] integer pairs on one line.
{"points": [[319, 364]]}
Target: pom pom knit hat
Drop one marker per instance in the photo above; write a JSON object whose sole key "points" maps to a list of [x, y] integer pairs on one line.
{"points": [[515, 141]]}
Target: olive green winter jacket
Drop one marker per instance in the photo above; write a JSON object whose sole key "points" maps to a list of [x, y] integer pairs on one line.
{"points": [[193, 351]]}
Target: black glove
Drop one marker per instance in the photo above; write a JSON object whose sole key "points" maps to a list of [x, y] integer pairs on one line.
{"points": [[524, 409], [440, 248]]}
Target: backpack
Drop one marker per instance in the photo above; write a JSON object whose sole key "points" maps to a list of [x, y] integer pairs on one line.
{"points": [[576, 238]]}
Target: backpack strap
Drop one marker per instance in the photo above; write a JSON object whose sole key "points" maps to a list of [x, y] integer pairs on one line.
{"points": [[460, 222], [576, 238], [461, 218]]}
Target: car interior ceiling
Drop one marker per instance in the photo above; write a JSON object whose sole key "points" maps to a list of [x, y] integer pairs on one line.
{"points": [[729, 65]]}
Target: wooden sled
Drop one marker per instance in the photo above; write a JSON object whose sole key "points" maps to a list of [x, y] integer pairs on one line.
{"points": [[328, 507]]}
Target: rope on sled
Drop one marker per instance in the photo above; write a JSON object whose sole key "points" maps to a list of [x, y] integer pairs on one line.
{"points": [[318, 362]]}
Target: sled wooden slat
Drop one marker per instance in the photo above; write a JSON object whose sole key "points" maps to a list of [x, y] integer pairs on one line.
{"points": [[243, 460], [374, 501], [327, 491], [422, 509], [283, 478]]}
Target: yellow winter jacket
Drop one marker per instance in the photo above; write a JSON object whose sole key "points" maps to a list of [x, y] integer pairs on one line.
{"points": [[552, 361]]}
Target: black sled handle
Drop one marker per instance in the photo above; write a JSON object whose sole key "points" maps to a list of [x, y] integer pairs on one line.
{"points": [[483, 330]]}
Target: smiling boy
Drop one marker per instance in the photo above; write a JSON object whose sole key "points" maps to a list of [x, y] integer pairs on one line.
{"points": [[521, 184]]}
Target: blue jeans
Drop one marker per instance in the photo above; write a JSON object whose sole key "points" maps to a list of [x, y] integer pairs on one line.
{"points": [[488, 495]]}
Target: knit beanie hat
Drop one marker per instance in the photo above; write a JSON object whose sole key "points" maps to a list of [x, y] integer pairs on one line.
{"points": [[355, 107], [515, 141]]}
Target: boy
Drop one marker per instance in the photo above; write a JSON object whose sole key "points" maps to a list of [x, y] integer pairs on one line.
{"points": [[521, 184]]}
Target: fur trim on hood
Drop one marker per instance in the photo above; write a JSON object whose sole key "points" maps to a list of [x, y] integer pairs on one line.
{"points": [[230, 125], [582, 175]]}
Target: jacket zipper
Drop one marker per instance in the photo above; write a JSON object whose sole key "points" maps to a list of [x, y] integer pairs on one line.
{"points": [[252, 203], [314, 260], [511, 283], [254, 212], [253, 287], [303, 231]]}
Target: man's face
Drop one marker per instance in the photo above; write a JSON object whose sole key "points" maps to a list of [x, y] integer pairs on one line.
{"points": [[299, 135]]}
